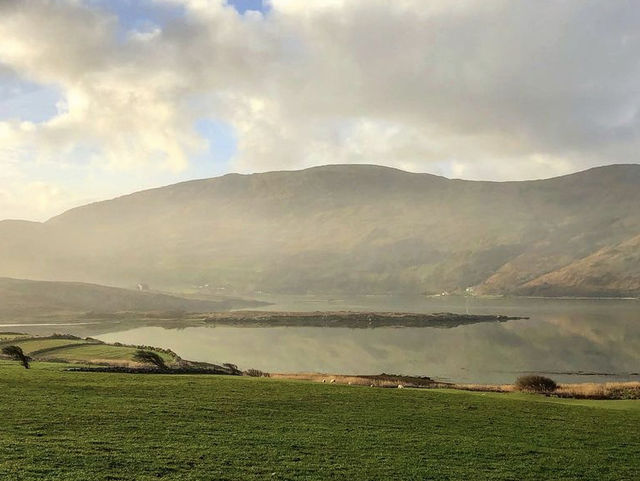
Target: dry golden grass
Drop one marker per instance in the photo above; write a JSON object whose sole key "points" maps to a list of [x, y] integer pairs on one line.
{"points": [[609, 390], [592, 390]]}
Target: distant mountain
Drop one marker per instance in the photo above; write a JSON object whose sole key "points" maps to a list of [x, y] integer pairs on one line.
{"points": [[348, 229], [21, 297]]}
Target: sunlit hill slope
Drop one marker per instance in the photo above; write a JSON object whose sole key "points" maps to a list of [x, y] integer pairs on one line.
{"points": [[349, 228]]}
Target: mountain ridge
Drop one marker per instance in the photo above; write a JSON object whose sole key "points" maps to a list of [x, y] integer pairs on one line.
{"points": [[329, 167], [337, 228]]}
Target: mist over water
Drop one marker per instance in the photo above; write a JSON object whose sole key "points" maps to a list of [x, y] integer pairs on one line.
{"points": [[598, 338]]}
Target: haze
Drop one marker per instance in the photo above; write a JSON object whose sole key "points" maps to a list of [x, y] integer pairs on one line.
{"points": [[325, 239]]}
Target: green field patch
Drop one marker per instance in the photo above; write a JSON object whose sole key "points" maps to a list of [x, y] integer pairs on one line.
{"points": [[100, 353], [34, 344], [105, 426]]}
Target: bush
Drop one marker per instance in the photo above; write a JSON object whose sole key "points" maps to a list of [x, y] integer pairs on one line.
{"points": [[149, 357], [16, 353], [57, 335], [535, 383]]}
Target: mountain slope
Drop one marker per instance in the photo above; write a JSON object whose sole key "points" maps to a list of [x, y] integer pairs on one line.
{"points": [[338, 228], [18, 297], [609, 271]]}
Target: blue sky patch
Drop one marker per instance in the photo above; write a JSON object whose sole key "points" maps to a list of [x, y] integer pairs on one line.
{"points": [[244, 5], [222, 147], [26, 101]]}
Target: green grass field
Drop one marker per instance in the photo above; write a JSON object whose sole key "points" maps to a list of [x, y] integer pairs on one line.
{"points": [[99, 426], [100, 352], [31, 345], [76, 350]]}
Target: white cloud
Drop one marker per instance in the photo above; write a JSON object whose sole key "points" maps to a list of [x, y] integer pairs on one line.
{"points": [[479, 88]]}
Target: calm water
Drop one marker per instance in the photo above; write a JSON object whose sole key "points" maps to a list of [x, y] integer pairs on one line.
{"points": [[562, 337]]}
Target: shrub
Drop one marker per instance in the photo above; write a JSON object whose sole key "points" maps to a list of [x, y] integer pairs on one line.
{"points": [[16, 353], [534, 383], [149, 357], [57, 335]]}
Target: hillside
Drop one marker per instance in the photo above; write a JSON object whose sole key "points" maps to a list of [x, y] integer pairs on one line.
{"points": [[24, 297], [342, 228], [609, 271]]}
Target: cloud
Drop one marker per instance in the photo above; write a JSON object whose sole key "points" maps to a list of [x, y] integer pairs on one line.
{"points": [[113, 107], [489, 89]]}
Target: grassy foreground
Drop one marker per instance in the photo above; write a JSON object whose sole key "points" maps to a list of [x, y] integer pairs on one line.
{"points": [[59, 425]]}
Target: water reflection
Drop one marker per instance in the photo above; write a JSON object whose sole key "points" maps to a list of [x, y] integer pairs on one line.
{"points": [[597, 336], [562, 336]]}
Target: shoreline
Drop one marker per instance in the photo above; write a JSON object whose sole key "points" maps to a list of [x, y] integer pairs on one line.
{"points": [[589, 390], [90, 354]]}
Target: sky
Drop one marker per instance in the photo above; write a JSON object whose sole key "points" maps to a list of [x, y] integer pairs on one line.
{"points": [[99, 98]]}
